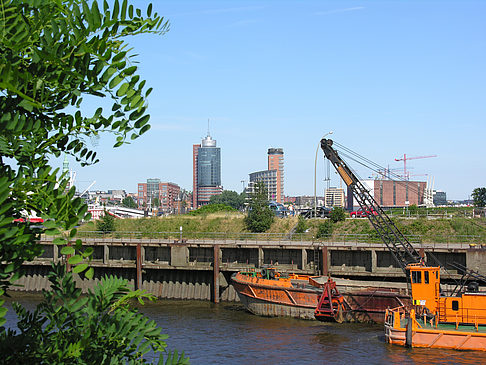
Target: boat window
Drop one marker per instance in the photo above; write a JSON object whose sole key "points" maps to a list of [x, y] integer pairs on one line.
{"points": [[455, 305], [426, 277], [416, 277]]}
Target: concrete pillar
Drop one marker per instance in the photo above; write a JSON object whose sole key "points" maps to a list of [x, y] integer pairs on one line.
{"points": [[260, 257], [138, 282], [325, 261], [55, 253], [216, 258], [179, 255], [106, 254], [374, 261], [304, 259]]}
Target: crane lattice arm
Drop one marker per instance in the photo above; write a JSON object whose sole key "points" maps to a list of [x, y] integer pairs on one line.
{"points": [[399, 246]]}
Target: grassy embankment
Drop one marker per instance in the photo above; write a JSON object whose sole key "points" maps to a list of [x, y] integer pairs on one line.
{"points": [[231, 225]]}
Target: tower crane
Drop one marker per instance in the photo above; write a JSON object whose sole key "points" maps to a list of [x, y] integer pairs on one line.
{"points": [[405, 159]]}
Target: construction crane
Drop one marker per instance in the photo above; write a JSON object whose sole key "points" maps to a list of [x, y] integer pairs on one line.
{"points": [[401, 249], [405, 159]]}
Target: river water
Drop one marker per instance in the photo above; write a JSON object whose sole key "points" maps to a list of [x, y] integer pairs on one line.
{"points": [[226, 334]]}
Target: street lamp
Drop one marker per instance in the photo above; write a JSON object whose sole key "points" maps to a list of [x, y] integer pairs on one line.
{"points": [[315, 173]]}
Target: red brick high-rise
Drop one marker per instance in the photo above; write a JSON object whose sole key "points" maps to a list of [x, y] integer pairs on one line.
{"points": [[276, 162]]}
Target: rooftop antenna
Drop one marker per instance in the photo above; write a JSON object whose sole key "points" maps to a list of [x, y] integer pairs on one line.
{"points": [[208, 127]]}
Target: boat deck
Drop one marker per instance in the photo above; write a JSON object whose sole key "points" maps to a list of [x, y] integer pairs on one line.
{"points": [[446, 326]]}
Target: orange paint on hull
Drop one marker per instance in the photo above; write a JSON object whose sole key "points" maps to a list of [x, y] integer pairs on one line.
{"points": [[296, 297], [440, 335]]}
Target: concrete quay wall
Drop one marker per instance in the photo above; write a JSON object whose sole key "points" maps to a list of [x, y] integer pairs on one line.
{"points": [[202, 269]]}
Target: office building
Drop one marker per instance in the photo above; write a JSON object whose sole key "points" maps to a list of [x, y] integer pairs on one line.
{"points": [[272, 178], [392, 193], [440, 198], [155, 194], [206, 165], [276, 162], [334, 197]]}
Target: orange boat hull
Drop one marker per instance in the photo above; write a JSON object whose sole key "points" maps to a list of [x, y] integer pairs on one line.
{"points": [[298, 299], [445, 336]]}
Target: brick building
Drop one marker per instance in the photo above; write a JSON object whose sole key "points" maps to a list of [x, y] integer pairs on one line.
{"points": [[165, 192], [272, 178], [276, 162], [391, 193]]}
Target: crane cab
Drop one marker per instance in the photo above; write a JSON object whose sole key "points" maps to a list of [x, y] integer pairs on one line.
{"points": [[425, 283]]}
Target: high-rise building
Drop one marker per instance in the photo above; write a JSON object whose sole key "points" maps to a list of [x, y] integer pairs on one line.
{"points": [[273, 178], [268, 178], [206, 166], [276, 162]]}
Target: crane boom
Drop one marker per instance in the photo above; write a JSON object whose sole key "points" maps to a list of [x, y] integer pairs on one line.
{"points": [[398, 245]]}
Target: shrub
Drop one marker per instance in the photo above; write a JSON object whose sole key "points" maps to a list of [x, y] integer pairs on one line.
{"points": [[301, 225], [212, 208], [106, 224], [260, 217], [338, 214], [324, 229]]}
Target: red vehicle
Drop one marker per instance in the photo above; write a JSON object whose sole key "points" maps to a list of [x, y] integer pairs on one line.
{"points": [[31, 220], [362, 213]]}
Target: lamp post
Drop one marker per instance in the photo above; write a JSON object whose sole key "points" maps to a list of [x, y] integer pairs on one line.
{"points": [[315, 173]]}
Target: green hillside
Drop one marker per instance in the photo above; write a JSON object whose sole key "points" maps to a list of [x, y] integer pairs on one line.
{"points": [[230, 225]]}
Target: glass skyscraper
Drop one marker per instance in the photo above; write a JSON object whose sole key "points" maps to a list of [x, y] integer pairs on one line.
{"points": [[207, 171]]}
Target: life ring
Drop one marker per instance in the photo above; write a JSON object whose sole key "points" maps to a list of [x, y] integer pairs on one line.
{"points": [[264, 273], [271, 274]]}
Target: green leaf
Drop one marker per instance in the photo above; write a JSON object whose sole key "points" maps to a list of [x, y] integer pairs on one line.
{"points": [[130, 70], [88, 252], [67, 250], [80, 268], [144, 129], [76, 259], [115, 81], [118, 56], [9, 268], [59, 241], [123, 89], [142, 121], [89, 273], [51, 232]]}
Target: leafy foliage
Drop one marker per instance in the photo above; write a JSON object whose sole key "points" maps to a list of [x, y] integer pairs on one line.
{"points": [[338, 214], [228, 197], [106, 223], [413, 209], [98, 328], [479, 197], [301, 225], [128, 202], [324, 229], [260, 217], [212, 208], [53, 56]]}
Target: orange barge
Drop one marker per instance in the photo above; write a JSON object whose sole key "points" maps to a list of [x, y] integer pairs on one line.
{"points": [[437, 321], [270, 293]]}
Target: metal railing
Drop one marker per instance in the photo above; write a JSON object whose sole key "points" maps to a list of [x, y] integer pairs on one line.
{"points": [[469, 240]]}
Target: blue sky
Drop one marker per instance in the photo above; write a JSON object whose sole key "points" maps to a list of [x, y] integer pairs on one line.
{"points": [[387, 77]]}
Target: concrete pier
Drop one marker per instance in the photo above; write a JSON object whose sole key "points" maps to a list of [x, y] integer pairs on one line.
{"points": [[202, 269]]}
